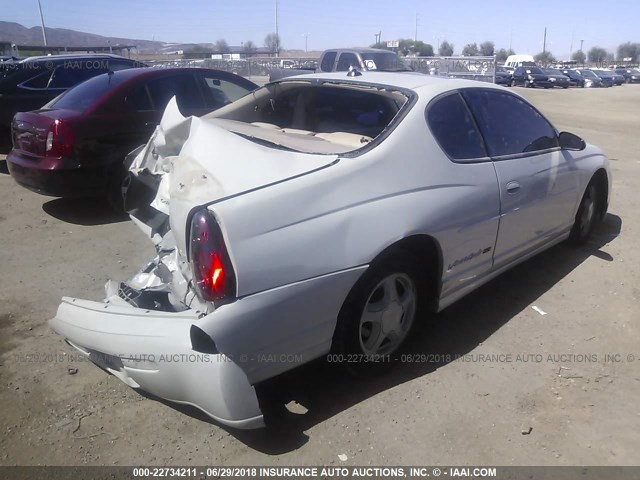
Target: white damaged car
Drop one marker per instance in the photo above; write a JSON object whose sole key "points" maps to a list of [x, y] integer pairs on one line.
{"points": [[324, 213]]}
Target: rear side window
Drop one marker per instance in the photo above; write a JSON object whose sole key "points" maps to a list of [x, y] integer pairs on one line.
{"points": [[86, 94], [454, 129], [222, 92], [183, 87], [509, 124], [67, 76], [39, 81], [327, 61], [347, 60], [138, 100]]}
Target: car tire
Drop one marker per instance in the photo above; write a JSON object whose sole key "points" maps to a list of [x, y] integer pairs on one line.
{"points": [[379, 313], [587, 215]]}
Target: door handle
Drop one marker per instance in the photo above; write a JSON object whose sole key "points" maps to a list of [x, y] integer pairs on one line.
{"points": [[513, 188]]}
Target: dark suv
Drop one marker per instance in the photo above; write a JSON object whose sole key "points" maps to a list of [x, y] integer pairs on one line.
{"points": [[531, 77], [30, 83]]}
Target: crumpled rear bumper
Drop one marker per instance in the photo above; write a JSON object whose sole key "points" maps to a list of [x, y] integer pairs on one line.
{"points": [[152, 350]]}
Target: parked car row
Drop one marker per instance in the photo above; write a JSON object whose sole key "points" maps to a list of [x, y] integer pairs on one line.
{"points": [[534, 76], [29, 83], [75, 145]]}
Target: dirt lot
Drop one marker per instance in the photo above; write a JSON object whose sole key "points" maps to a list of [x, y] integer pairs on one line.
{"points": [[578, 407]]}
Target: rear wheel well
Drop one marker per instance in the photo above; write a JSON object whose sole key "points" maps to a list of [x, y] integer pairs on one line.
{"points": [[427, 251]]}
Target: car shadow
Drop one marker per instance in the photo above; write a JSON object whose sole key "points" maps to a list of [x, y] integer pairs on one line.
{"points": [[4, 169], [84, 211], [324, 390]]}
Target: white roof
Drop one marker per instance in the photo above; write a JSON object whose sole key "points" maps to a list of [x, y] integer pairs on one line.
{"points": [[418, 82]]}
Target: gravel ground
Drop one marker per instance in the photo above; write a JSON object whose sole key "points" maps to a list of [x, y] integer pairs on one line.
{"points": [[569, 406]]}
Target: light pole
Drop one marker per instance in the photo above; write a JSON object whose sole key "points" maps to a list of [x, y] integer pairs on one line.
{"points": [[277, 37], [306, 41], [44, 33]]}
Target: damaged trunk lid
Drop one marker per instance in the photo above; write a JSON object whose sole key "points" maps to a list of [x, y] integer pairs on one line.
{"points": [[190, 163]]}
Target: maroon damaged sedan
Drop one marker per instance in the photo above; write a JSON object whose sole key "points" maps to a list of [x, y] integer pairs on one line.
{"points": [[75, 145]]}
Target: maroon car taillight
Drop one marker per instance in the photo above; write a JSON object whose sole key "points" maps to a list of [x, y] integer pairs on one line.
{"points": [[213, 273], [60, 139]]}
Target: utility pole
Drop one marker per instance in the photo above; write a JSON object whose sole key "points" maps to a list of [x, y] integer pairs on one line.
{"points": [[573, 34], [378, 37], [544, 41], [581, 42], [306, 39], [44, 33], [510, 40], [277, 37], [416, 36]]}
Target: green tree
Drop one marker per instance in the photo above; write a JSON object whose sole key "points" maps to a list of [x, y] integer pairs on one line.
{"points": [[222, 46], [249, 47], [445, 49], [502, 55], [629, 49], [272, 42], [487, 48], [470, 50], [597, 55], [579, 57], [405, 46], [423, 49], [545, 58]]}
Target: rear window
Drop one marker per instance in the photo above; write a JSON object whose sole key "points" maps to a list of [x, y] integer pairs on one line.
{"points": [[327, 61], [386, 62], [86, 94]]}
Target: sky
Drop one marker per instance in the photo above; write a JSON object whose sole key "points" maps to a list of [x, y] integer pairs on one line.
{"points": [[342, 23]]}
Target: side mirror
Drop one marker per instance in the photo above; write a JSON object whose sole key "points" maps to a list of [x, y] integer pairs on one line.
{"points": [[569, 141]]}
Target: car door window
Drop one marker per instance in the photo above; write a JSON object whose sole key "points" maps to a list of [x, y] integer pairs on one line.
{"points": [[509, 124], [138, 100], [221, 92], [327, 61], [116, 65], [347, 60], [454, 128], [68, 76], [183, 87], [39, 81]]}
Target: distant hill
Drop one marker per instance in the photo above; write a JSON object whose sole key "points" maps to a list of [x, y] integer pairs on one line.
{"points": [[21, 35]]}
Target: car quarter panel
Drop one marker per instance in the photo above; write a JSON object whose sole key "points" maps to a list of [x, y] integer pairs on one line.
{"points": [[344, 216]]}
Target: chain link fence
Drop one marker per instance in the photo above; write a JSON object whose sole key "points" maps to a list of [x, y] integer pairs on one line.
{"points": [[249, 67], [472, 68]]}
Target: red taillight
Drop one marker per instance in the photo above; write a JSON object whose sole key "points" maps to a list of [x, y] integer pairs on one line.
{"points": [[60, 139], [212, 271]]}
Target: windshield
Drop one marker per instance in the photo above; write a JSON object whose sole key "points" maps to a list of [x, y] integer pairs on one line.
{"points": [[501, 69], [553, 71], [385, 62], [534, 70], [86, 94], [588, 74]]}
